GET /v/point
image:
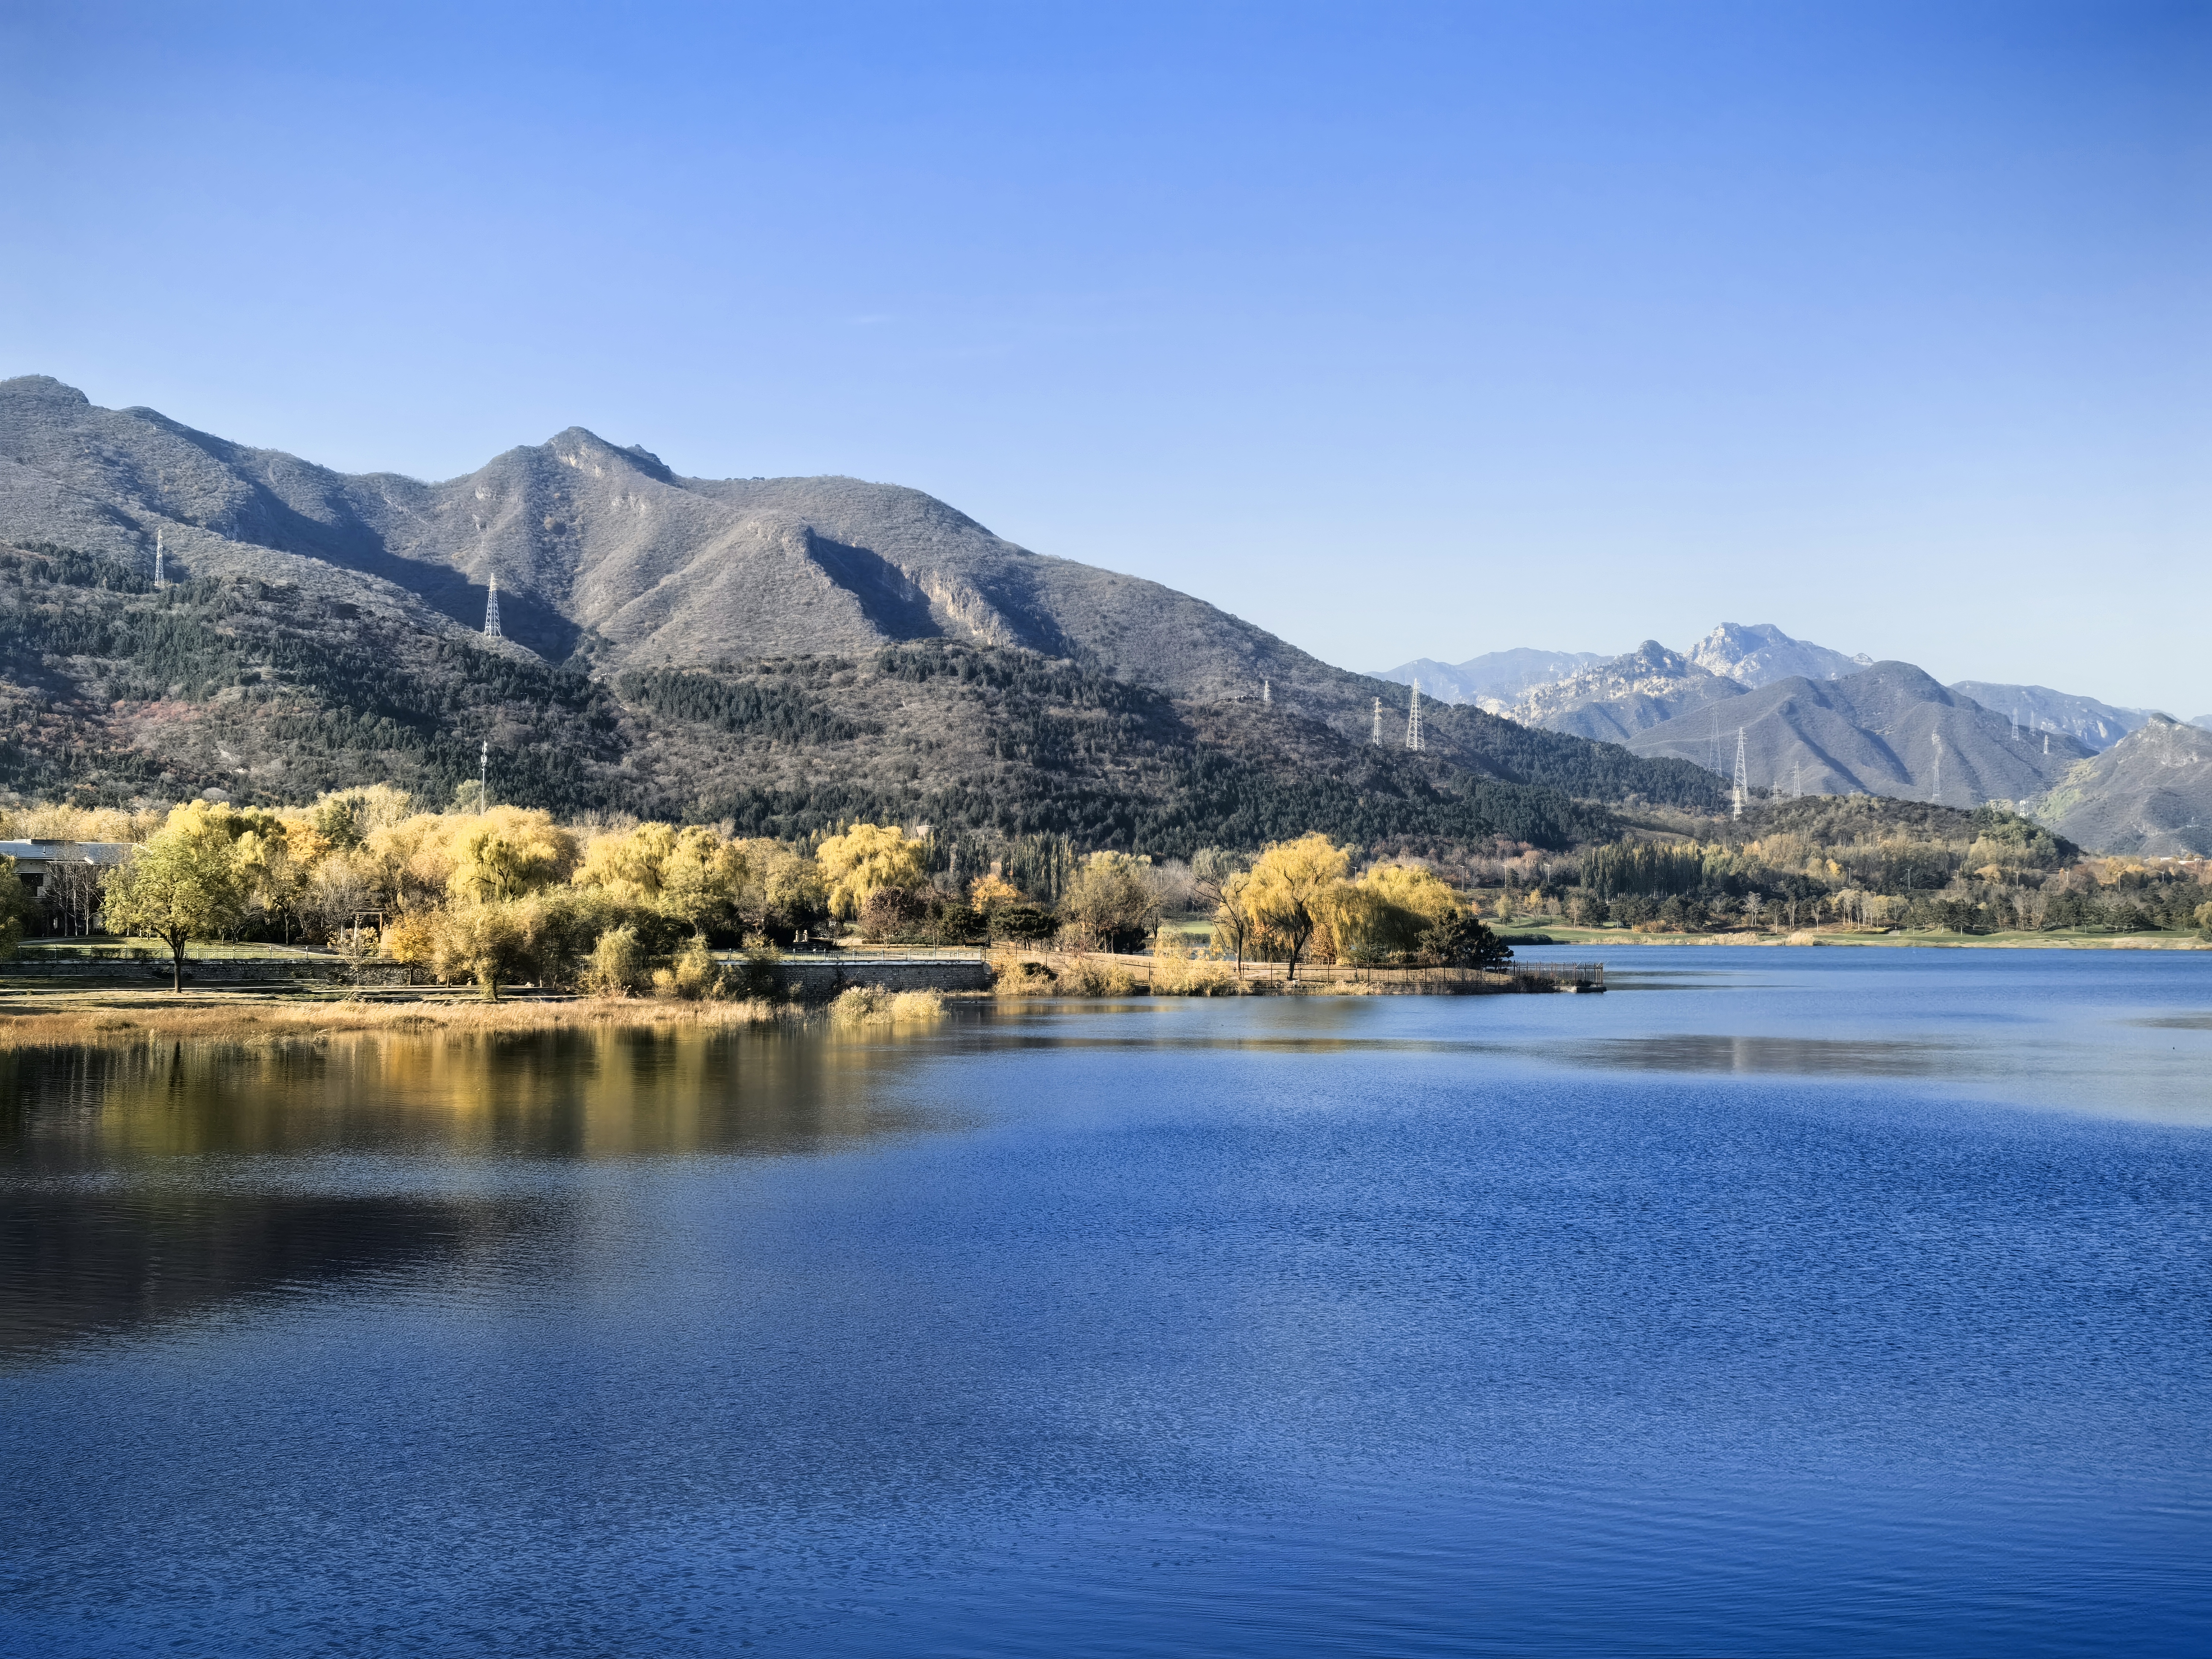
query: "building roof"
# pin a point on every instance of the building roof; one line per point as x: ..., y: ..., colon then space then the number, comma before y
x: 58, y: 852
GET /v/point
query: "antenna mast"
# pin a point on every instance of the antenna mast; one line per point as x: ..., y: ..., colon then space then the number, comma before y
x: 491, y: 611
x: 483, y: 773
x: 1413, y: 719
x: 1742, y: 777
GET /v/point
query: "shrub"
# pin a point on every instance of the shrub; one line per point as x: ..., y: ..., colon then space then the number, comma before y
x: 618, y: 967
x: 872, y: 1005
x: 1178, y: 971
x: 693, y: 977
x: 1085, y: 977
x: 1017, y: 978
x: 1023, y: 924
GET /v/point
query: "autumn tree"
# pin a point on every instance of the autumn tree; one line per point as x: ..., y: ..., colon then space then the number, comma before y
x: 1233, y: 915
x: 1110, y: 902
x: 1293, y: 886
x: 183, y: 885
x: 509, y: 852
x: 868, y: 857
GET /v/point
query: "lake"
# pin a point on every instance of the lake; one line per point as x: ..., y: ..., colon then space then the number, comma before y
x: 1778, y: 1302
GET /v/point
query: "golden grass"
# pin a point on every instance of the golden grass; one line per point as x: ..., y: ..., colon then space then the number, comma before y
x: 110, y: 1018
x: 872, y: 1005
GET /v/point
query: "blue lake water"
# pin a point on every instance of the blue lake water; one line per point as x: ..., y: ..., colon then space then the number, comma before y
x: 1778, y: 1302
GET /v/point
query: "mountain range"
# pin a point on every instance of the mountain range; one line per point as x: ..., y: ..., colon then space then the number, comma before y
x: 1817, y: 721
x: 783, y: 652
x: 1887, y: 730
x: 787, y: 651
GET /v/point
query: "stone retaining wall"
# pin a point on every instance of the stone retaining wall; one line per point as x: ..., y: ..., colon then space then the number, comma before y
x: 815, y: 978
x: 211, y: 970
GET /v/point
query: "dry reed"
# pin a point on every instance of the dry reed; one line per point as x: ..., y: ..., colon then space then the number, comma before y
x: 110, y: 1020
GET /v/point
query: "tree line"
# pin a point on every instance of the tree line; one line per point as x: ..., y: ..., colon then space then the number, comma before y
x: 505, y: 893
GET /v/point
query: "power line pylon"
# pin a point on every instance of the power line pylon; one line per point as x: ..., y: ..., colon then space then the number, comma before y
x: 1266, y: 695
x: 1376, y: 736
x: 1936, y: 738
x: 161, y: 574
x: 1742, y: 776
x: 1413, y: 719
x: 491, y: 611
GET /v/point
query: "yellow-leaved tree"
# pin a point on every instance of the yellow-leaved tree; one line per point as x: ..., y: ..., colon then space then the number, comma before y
x: 1387, y: 913
x: 868, y: 859
x: 509, y: 851
x: 182, y: 884
x: 1293, y: 889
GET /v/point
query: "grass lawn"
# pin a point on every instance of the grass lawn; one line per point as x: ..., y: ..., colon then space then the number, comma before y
x: 105, y: 948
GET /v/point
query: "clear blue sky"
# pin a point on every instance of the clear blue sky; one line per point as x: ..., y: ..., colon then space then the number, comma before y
x: 1401, y: 331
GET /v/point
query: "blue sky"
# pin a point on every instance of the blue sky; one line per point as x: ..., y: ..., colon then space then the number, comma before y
x: 1401, y: 331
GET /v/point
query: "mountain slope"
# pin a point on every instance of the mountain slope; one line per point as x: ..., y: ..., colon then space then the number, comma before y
x: 603, y: 555
x: 1611, y: 702
x: 2038, y: 708
x: 1875, y: 732
x: 2149, y: 794
x: 322, y: 632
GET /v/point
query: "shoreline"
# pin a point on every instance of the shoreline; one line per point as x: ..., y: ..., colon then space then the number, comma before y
x: 1599, y: 938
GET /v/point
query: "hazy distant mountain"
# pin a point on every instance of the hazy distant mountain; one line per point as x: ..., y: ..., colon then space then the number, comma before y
x: 2204, y: 721
x: 354, y: 602
x: 2099, y: 725
x: 2149, y: 794
x: 1760, y: 653
x: 1493, y: 679
x: 1875, y: 732
x: 1617, y: 698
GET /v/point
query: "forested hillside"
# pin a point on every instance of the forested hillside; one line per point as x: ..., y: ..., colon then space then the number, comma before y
x: 268, y: 693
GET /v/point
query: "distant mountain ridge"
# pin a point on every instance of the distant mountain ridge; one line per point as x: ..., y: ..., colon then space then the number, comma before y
x: 1887, y: 730
x: 2150, y: 794
x: 1760, y: 653
x: 2038, y: 708
x: 1612, y: 700
x: 1492, y: 680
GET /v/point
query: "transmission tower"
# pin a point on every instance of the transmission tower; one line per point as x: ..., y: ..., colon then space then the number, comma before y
x: 1376, y: 736
x: 1713, y: 761
x: 161, y: 575
x: 1742, y: 777
x: 1413, y: 719
x: 483, y: 773
x: 491, y: 611
x: 1936, y: 738
x: 1797, y: 782
x: 1266, y: 693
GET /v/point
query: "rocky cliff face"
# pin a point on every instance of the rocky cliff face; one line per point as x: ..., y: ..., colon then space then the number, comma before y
x: 1614, y: 700
x: 1760, y: 653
